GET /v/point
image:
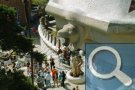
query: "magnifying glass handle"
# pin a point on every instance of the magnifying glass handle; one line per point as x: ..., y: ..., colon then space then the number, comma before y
x: 125, y: 79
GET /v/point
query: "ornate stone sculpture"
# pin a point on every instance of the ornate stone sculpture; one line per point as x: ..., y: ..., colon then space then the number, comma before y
x: 74, y: 35
x: 76, y: 66
x: 69, y: 33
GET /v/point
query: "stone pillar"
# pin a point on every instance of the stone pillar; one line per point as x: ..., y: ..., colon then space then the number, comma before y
x: 55, y: 41
x: 47, y: 35
x: 51, y: 38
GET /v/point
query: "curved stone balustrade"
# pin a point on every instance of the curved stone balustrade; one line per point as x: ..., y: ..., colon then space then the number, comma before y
x: 47, y: 39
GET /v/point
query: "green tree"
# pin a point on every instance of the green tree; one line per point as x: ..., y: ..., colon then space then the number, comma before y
x: 39, y: 57
x: 41, y: 6
x: 10, y: 32
x: 23, y: 44
x: 11, y: 38
x: 15, y: 81
x: 39, y: 2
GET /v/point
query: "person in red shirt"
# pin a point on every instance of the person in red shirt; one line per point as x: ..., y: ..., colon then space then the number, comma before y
x: 56, y: 78
x: 53, y: 74
x: 34, y: 30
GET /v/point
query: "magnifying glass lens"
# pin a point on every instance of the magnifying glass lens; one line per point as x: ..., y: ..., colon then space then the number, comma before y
x: 104, y: 62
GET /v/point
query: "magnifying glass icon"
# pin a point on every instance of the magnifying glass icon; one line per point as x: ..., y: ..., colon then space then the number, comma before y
x: 125, y: 79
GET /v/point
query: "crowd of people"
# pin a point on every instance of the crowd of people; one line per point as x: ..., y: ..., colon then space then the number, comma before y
x: 50, y: 78
x: 47, y: 76
x: 64, y: 55
x: 11, y: 65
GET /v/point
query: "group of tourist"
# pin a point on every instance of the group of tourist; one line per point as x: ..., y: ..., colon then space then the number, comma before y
x: 45, y: 77
x: 10, y: 66
x: 64, y: 55
x: 48, y: 76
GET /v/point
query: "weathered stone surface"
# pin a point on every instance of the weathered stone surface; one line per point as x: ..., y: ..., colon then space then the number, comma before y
x: 102, y: 21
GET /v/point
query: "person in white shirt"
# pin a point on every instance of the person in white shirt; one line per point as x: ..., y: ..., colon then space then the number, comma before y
x: 17, y: 65
x: 45, y: 73
x: 40, y: 82
x: 48, y: 78
x: 41, y: 73
x: 61, y: 58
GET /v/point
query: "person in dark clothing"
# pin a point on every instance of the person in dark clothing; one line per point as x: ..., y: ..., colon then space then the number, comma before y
x: 40, y: 82
x: 52, y: 62
x: 59, y: 51
x: 63, y: 79
x: 65, y: 53
x: 28, y: 64
x: 9, y: 73
x: 68, y: 56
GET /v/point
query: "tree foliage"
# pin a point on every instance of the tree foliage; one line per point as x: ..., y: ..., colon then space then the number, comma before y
x: 15, y: 81
x: 39, y: 57
x: 10, y: 32
x: 41, y: 6
x: 39, y: 2
x: 23, y: 44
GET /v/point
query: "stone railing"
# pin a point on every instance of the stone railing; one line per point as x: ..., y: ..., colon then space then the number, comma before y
x: 50, y: 41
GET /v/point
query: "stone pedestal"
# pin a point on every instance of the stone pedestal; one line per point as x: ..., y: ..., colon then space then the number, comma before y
x: 75, y: 80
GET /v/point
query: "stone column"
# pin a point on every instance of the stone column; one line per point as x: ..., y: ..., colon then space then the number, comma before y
x: 55, y: 41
